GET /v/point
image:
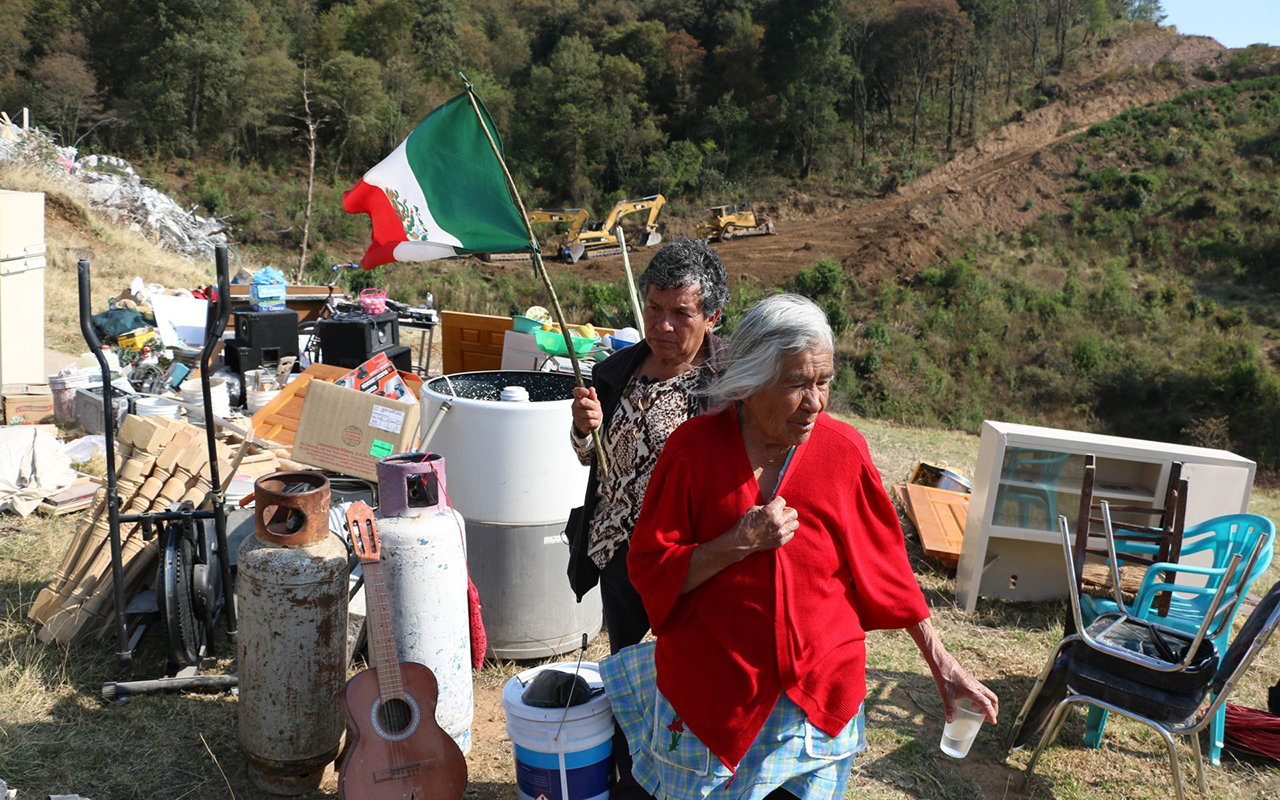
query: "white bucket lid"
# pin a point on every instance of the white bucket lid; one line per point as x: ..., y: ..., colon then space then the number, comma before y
x: 514, y: 706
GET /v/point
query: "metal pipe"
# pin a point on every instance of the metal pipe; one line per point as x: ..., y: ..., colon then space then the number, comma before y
x: 1114, y: 562
x: 124, y: 654
x: 435, y: 423
x: 217, y: 317
x: 123, y: 690
x: 631, y: 282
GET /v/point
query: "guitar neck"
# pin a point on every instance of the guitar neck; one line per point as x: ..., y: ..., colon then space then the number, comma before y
x: 382, y: 639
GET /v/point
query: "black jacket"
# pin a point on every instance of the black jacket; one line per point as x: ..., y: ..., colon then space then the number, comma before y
x: 609, y: 378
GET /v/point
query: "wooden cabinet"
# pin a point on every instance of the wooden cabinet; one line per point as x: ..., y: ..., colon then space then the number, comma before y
x: 1026, y: 476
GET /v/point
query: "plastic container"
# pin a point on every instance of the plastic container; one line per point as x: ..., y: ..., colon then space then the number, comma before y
x: 257, y: 399
x: 552, y: 342
x: 625, y: 337
x: 523, y: 324
x: 266, y: 296
x: 90, y: 362
x: 958, y: 734
x: 570, y: 761
x: 64, y: 392
x: 157, y: 407
x: 193, y: 400
x: 373, y: 301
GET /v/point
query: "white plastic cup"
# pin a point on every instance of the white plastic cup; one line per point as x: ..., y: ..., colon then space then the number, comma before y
x: 958, y: 735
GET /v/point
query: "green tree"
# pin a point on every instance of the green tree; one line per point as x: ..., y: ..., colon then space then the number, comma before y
x: 68, y: 93
x: 926, y: 34
x: 13, y: 43
x: 349, y: 88
x: 809, y: 73
x: 269, y: 90
x: 435, y: 36
x: 175, y: 62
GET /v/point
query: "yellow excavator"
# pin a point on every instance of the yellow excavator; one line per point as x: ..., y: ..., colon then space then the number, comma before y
x: 729, y: 222
x: 575, y: 218
x: 597, y: 238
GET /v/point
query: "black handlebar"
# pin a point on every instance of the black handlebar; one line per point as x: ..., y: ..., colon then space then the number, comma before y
x: 86, y: 308
x: 220, y: 312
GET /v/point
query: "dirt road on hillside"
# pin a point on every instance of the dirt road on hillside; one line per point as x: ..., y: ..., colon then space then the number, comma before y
x: 1001, y: 183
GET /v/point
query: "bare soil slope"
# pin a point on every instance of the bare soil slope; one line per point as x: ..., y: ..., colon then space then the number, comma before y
x: 1001, y: 183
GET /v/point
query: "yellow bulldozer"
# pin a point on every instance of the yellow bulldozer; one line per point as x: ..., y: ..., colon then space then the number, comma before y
x: 723, y: 223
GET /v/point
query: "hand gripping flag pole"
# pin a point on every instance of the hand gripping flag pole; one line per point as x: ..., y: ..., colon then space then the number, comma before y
x: 540, y: 269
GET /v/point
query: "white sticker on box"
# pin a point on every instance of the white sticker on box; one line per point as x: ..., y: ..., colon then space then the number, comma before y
x: 386, y: 419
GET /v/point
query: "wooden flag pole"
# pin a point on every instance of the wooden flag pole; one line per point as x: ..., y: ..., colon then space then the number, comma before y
x: 541, y: 269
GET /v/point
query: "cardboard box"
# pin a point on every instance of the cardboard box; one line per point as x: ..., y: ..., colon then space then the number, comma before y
x: 376, y: 376
x: 346, y: 431
x: 28, y: 404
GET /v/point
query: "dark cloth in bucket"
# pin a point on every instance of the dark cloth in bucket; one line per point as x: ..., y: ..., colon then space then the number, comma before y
x: 554, y: 689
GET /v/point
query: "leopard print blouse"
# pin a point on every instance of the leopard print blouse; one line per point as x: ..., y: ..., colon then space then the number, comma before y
x: 649, y: 411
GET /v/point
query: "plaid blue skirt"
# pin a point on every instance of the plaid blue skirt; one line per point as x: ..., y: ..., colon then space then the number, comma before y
x: 671, y: 764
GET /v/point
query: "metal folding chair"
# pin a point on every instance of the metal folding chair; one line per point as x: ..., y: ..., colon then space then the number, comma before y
x: 1151, y: 673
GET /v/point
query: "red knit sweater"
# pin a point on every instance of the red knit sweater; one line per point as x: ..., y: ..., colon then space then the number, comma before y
x: 792, y: 619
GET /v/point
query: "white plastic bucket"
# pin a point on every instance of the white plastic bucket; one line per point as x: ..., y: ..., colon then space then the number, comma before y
x: 156, y: 407
x: 63, y: 388
x: 573, y: 764
x: 257, y: 399
x: 193, y: 399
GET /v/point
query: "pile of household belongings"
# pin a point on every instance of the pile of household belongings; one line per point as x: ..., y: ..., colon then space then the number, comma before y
x: 159, y: 462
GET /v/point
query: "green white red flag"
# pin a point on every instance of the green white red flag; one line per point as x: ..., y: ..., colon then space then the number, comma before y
x: 441, y: 193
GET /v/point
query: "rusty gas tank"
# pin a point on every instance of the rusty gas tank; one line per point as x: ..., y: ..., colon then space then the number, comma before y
x: 292, y: 599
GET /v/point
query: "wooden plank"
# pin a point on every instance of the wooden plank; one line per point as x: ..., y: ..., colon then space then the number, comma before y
x: 940, y: 517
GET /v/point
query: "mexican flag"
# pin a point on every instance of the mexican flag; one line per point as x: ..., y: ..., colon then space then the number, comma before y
x: 441, y: 193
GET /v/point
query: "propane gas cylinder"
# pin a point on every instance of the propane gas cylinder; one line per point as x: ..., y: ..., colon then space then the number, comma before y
x: 426, y: 576
x: 292, y: 590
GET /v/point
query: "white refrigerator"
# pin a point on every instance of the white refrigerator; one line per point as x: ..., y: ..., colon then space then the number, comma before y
x: 22, y: 263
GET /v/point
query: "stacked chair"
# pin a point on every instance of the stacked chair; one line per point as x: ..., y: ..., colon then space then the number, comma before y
x: 1170, y: 593
x: 1150, y: 670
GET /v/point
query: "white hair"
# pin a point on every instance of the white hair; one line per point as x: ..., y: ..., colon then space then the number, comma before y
x: 776, y: 327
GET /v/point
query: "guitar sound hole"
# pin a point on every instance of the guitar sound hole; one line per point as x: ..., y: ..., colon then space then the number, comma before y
x: 395, y: 715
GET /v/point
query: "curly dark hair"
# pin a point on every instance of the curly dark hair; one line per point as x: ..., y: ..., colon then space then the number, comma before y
x: 686, y: 262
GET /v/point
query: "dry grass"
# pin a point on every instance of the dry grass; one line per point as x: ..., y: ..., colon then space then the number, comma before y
x: 56, y: 736
x: 74, y: 231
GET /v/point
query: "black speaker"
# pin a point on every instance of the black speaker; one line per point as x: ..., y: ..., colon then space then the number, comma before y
x: 401, y: 357
x: 262, y: 337
x: 349, y: 340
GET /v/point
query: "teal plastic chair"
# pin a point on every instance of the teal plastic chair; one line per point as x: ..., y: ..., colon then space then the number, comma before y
x: 1041, y: 470
x: 1250, y: 536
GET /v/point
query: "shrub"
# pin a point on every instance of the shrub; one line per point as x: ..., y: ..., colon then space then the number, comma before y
x: 1206, y: 73
x: 824, y: 279
x: 877, y: 333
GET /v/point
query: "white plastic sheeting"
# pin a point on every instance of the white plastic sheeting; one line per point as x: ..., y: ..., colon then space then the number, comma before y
x: 32, y: 467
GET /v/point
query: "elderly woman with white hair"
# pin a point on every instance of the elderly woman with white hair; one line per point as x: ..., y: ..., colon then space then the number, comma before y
x: 766, y: 548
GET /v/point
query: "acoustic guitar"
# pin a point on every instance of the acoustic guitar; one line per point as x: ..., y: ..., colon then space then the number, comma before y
x: 396, y: 750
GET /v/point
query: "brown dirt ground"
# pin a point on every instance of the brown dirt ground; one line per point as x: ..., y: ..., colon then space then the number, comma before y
x: 984, y: 187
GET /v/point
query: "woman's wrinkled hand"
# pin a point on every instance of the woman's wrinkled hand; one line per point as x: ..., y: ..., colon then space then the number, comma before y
x: 587, y: 414
x: 766, y: 527
x: 955, y: 683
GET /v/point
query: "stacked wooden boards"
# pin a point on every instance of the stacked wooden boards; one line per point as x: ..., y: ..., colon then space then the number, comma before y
x: 158, y: 462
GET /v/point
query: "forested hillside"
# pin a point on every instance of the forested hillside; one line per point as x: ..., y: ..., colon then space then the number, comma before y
x: 598, y: 98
